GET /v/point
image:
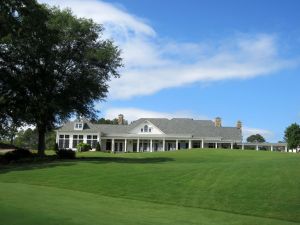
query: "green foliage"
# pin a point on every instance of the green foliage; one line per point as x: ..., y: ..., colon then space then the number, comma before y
x: 66, y: 154
x: 256, y: 138
x: 56, y: 148
x: 98, y: 147
x: 29, y: 139
x: 83, y: 147
x: 37, y: 44
x: 104, y: 121
x: 292, y: 136
x: 8, y: 130
x: 235, y: 146
x: 50, y: 139
x: 17, y: 154
x: 107, y: 121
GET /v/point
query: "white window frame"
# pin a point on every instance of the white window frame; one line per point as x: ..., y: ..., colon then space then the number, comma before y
x: 77, y: 139
x: 63, y: 139
x: 78, y: 126
x: 92, y: 141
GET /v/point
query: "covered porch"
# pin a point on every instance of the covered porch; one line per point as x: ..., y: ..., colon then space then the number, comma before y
x: 144, y: 144
x: 171, y: 144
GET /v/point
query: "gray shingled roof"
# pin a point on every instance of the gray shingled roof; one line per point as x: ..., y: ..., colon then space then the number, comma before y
x: 88, y: 127
x: 176, y: 126
x: 95, y: 128
x: 197, y: 128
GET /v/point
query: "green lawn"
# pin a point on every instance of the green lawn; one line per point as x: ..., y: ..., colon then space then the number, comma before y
x: 183, y: 187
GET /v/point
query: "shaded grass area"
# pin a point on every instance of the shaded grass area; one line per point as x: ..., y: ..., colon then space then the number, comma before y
x: 58, y: 206
x: 260, y: 184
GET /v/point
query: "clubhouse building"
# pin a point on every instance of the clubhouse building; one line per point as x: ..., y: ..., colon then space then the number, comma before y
x: 154, y: 134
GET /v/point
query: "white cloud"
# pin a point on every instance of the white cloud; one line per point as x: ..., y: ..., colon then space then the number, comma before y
x: 152, y: 64
x: 247, y: 131
x: 116, y: 20
x: 132, y: 114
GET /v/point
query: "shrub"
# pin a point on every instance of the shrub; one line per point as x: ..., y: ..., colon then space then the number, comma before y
x: 98, y: 147
x: 235, y: 146
x: 83, y: 147
x: 66, y: 154
x: 17, y: 154
x: 56, y: 148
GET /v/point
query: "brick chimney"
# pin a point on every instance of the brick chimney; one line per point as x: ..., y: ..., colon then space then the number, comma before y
x: 218, y: 122
x: 239, y: 124
x: 121, y: 119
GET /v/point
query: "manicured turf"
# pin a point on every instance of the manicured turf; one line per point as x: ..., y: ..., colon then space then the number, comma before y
x: 183, y: 187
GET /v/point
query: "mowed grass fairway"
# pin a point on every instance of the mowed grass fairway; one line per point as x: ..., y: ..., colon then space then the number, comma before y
x: 184, y: 187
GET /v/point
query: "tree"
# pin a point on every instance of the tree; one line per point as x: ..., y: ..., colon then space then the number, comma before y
x: 256, y: 138
x: 8, y: 130
x: 29, y: 139
x: 292, y: 136
x: 107, y: 121
x: 52, y: 64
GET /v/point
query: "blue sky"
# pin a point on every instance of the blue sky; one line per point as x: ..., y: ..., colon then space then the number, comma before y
x: 235, y: 59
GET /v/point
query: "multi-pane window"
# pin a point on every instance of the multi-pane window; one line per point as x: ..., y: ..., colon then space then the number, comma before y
x: 92, y: 140
x: 63, y: 141
x: 77, y: 139
x: 146, y: 128
x: 78, y: 126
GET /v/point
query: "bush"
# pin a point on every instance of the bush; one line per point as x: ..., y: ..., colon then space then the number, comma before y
x: 98, y: 147
x: 17, y: 155
x: 66, y: 154
x: 56, y: 148
x: 235, y: 146
x: 83, y: 147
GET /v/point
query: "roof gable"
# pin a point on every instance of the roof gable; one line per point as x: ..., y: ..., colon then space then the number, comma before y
x: 139, y: 128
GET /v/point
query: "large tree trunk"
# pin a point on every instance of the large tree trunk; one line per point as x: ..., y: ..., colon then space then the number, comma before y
x: 41, y: 140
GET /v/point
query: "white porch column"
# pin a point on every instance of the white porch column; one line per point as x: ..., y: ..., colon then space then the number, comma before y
x: 257, y: 148
x: 176, y: 144
x: 272, y: 149
x: 84, y: 138
x: 57, y: 137
x: 71, y: 141
x: 164, y: 145
x: 151, y: 145
x: 285, y: 149
x: 216, y: 145
x: 190, y: 143
x: 243, y: 147
x: 112, y: 145
x: 125, y: 145
x: 138, y: 145
x: 231, y: 145
x: 202, y: 143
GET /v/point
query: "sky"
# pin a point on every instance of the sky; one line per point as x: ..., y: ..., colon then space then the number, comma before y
x: 238, y: 60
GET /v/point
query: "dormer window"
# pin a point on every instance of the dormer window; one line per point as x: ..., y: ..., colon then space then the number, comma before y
x: 78, y: 126
x: 146, y: 128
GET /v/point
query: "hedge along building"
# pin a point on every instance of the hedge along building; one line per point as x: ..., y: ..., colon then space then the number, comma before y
x: 150, y: 134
